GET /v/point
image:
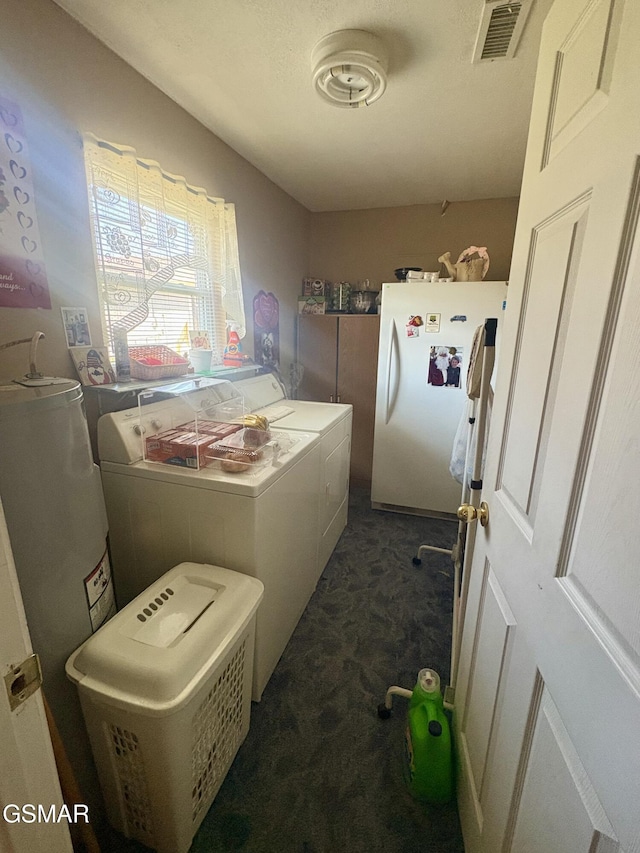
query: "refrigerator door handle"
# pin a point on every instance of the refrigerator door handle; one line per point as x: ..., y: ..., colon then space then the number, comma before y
x: 393, y: 350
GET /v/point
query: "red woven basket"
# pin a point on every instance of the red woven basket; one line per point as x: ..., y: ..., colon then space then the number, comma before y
x: 170, y: 363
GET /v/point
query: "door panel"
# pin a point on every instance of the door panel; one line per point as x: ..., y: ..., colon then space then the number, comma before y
x: 554, y: 258
x: 557, y: 808
x: 495, y: 629
x: 357, y: 366
x: 558, y: 769
x: 27, y: 764
x: 582, y: 73
x: 339, y: 354
x: 318, y: 353
x: 599, y: 530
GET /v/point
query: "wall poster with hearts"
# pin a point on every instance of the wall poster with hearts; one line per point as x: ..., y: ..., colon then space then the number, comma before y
x: 23, y: 279
x: 266, y: 330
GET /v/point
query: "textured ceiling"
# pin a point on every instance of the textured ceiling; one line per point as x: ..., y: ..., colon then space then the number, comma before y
x: 444, y: 129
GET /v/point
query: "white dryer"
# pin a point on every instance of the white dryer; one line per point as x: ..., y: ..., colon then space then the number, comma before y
x: 262, y: 523
x: 332, y: 422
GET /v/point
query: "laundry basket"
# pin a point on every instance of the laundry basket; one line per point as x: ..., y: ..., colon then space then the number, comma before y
x: 165, y: 689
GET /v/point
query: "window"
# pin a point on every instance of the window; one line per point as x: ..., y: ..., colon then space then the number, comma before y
x: 166, y: 253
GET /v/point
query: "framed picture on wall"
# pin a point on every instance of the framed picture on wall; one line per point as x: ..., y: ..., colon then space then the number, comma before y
x: 76, y: 327
x: 266, y: 329
x: 93, y: 365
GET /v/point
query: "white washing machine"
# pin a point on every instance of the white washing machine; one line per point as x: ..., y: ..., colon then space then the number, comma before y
x: 332, y: 421
x: 262, y: 523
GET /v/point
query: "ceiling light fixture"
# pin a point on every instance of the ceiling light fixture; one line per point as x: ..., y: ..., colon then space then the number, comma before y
x: 350, y: 68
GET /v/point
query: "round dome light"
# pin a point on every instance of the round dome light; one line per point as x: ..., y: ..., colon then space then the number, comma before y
x: 349, y: 68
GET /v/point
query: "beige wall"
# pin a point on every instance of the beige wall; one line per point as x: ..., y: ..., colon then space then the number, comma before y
x: 65, y: 83
x: 359, y: 244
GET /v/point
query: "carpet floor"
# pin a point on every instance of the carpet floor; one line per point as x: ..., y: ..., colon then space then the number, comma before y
x: 319, y: 772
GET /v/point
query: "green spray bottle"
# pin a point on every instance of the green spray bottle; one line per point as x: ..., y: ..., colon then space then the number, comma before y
x: 429, y: 752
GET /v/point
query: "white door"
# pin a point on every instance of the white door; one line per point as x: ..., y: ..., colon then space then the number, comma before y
x: 548, y: 697
x: 27, y: 767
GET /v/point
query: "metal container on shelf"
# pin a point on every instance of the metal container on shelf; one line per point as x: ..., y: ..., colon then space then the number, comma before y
x: 363, y: 301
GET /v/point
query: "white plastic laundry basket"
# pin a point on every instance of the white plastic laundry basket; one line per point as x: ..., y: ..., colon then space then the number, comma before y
x: 165, y: 688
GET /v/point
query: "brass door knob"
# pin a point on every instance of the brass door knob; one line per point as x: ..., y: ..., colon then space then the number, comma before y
x: 468, y: 513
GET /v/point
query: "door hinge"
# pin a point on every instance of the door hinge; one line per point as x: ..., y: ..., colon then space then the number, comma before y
x: 22, y: 680
x: 449, y: 697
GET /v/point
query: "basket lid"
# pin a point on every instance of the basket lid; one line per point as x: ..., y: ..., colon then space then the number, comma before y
x: 212, y: 399
x: 158, y: 649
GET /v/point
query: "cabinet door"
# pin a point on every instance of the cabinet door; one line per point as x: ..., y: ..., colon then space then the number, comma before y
x: 357, y: 369
x: 317, y: 353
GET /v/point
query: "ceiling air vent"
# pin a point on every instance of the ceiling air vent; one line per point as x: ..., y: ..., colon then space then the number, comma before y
x: 501, y: 26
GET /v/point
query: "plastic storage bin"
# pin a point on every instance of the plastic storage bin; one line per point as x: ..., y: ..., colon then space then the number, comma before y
x: 156, y: 362
x: 165, y: 689
x: 179, y: 421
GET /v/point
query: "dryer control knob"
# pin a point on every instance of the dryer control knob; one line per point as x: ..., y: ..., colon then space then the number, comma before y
x: 139, y: 429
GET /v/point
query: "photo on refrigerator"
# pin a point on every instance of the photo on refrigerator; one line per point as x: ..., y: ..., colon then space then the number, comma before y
x: 445, y: 366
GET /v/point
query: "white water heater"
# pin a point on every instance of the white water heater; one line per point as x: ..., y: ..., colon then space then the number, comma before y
x: 52, y: 497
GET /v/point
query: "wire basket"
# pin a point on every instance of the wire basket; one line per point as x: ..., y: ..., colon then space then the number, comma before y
x: 164, y: 363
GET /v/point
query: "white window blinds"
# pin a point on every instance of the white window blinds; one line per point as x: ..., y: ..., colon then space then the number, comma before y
x: 166, y: 253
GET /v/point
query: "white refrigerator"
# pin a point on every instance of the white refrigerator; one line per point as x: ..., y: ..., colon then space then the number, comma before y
x: 426, y: 332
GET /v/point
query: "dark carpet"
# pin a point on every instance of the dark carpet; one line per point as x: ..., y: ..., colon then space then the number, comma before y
x: 319, y: 772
